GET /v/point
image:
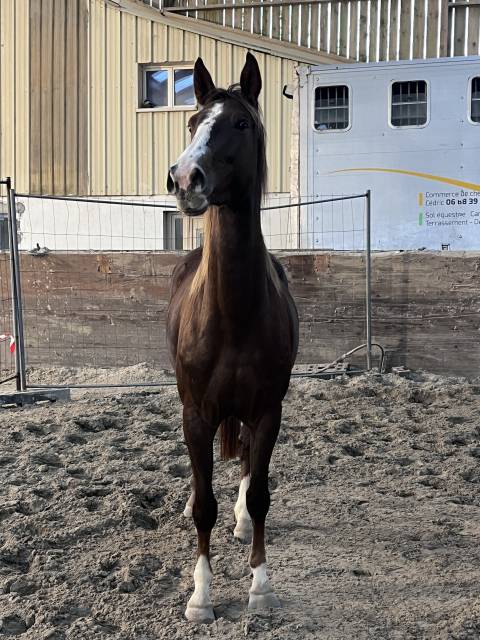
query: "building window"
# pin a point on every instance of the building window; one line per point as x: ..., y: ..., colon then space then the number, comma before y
x: 172, y: 230
x: 475, y: 105
x: 167, y: 88
x: 409, y: 104
x: 331, y: 108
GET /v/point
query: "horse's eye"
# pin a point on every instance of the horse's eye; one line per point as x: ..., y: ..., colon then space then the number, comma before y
x: 242, y: 124
x: 189, y: 127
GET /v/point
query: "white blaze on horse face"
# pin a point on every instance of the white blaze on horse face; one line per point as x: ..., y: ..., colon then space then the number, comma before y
x: 243, y: 530
x: 192, y: 155
x: 199, y: 607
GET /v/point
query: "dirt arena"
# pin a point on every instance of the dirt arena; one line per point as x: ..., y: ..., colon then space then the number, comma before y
x: 373, y: 530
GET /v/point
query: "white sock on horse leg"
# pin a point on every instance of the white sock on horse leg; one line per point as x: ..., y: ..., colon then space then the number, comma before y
x: 243, y: 529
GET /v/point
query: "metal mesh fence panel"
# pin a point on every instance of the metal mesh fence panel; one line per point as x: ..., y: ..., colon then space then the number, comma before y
x: 96, y: 277
x: 7, y: 330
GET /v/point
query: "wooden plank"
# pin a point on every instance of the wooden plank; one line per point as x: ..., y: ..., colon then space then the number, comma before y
x: 113, y: 103
x: 474, y: 31
x: 83, y: 61
x: 22, y: 97
x: 334, y: 17
x: 374, y: 35
x: 46, y: 72
x: 314, y: 21
x: 433, y: 26
x: 97, y: 92
x: 405, y: 31
x: 59, y: 89
x: 444, y: 28
x: 363, y: 33
x: 394, y: 26
x: 276, y: 22
x: 384, y: 26
x: 418, y: 29
x: 459, y: 33
x: 324, y: 26
x: 130, y: 101
x: 305, y: 32
x: 353, y: 43
x: 294, y: 24
x: 35, y: 100
x: 286, y: 24
x: 72, y: 99
x: 344, y: 31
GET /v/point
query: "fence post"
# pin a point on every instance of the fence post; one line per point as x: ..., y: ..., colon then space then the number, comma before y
x: 368, y: 278
x: 16, y: 290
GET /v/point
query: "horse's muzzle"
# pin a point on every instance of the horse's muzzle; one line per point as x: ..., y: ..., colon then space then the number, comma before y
x: 189, y: 186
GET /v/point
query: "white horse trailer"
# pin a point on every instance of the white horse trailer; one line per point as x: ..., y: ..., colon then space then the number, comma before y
x: 410, y: 132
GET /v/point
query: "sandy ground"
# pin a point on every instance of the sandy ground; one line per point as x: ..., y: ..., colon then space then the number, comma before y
x: 373, y: 529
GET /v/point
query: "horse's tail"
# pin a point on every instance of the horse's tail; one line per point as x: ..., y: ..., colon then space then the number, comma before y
x: 230, y: 444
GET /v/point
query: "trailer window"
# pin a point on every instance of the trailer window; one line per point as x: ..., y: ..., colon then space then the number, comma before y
x: 331, y: 108
x: 475, y: 107
x: 409, y: 104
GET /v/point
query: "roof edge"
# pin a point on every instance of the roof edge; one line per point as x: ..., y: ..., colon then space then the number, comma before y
x: 231, y: 36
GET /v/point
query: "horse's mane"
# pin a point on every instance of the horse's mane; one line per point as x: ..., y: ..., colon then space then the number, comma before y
x: 234, y: 92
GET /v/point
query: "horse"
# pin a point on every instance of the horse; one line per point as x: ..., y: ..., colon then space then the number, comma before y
x: 232, y: 325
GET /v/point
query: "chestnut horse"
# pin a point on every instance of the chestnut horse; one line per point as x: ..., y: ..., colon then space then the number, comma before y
x: 232, y: 325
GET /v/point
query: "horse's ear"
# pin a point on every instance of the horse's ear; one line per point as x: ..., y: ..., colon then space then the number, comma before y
x: 202, y: 81
x: 251, y: 80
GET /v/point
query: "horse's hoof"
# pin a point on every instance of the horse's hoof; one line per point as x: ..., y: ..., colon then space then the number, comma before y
x: 263, y: 601
x: 188, y: 511
x: 243, y: 531
x: 199, y: 615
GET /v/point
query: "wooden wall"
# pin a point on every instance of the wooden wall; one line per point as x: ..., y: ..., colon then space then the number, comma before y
x: 109, y: 309
x: 364, y: 30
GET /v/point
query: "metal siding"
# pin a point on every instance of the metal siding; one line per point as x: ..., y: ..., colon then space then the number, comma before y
x: 22, y: 96
x: 160, y: 42
x: 58, y: 88
x: 129, y: 97
x: 97, y: 96
x: 160, y: 145
x: 7, y: 97
x: 175, y: 45
x: 114, y: 102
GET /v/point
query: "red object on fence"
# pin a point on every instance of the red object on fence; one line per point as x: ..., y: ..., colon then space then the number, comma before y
x: 7, y: 336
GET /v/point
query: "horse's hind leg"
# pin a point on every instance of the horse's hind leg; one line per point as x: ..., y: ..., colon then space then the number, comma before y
x: 258, y: 501
x: 199, y: 438
x: 243, y: 528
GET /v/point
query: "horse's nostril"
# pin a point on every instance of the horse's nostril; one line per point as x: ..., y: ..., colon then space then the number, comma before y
x: 198, y: 179
x: 170, y: 184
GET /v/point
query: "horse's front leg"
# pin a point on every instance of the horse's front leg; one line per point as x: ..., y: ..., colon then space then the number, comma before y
x: 199, y: 437
x: 263, y: 438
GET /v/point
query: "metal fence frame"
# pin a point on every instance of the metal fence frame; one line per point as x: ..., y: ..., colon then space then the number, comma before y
x: 18, y: 322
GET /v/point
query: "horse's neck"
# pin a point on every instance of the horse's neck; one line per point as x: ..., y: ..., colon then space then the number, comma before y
x: 233, y: 268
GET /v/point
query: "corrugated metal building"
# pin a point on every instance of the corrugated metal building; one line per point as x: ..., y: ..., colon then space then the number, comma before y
x: 71, y: 111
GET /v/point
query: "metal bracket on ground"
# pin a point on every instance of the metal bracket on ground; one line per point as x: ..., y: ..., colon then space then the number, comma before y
x: 21, y: 398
